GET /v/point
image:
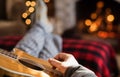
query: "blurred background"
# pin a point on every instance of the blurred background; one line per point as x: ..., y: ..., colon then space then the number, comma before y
x: 88, y: 19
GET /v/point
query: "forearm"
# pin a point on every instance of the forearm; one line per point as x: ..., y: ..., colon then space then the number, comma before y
x: 79, y: 71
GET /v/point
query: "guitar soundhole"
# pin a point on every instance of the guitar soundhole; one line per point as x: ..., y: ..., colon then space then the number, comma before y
x: 31, y: 64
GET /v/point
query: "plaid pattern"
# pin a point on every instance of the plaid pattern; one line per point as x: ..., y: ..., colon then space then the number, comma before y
x: 8, y: 42
x: 96, y: 56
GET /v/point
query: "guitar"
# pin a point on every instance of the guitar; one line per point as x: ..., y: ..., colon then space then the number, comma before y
x: 20, y: 64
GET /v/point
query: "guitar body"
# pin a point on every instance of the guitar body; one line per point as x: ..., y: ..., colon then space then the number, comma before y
x: 21, y: 64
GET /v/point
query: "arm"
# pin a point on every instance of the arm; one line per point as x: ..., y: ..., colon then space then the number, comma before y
x: 79, y: 71
x: 68, y: 65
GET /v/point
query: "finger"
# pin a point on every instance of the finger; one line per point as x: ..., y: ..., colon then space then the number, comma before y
x: 55, y: 63
x: 61, y: 56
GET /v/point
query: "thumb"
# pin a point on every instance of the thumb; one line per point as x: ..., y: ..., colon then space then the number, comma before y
x: 55, y: 62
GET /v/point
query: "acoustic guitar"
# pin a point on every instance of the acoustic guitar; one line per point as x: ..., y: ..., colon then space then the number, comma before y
x: 20, y: 64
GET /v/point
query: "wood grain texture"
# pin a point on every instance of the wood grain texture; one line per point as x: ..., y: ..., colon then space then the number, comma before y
x: 14, y: 68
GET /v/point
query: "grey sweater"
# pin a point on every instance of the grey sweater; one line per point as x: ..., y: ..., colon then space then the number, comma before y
x: 79, y: 71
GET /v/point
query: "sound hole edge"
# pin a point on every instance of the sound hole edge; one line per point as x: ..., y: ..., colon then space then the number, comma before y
x: 31, y: 64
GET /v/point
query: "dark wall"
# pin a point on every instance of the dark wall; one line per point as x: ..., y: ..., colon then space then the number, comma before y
x: 2, y: 9
x: 86, y: 7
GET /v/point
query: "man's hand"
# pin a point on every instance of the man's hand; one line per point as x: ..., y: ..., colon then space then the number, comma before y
x: 62, y: 61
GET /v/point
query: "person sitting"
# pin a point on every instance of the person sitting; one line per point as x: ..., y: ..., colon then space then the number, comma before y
x: 40, y: 42
x: 97, y: 56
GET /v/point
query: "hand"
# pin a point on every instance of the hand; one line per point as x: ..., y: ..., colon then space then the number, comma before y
x: 62, y: 61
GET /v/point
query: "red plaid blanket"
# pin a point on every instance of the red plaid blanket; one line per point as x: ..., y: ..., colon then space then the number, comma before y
x: 97, y: 56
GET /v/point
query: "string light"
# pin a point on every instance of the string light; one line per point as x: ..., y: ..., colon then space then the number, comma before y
x: 31, y: 8
x: 24, y: 15
x: 93, y: 27
x: 93, y: 16
x: 110, y: 18
x: 100, y: 4
x: 28, y: 21
x: 28, y: 3
x: 88, y: 22
x: 33, y: 3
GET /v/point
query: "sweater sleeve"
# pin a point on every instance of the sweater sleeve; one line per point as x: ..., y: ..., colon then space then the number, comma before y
x: 79, y: 71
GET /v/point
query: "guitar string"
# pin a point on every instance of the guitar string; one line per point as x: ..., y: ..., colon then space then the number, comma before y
x: 47, y: 69
x: 53, y: 71
x: 9, y: 54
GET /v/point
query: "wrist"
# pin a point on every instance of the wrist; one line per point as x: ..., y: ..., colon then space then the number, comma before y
x: 70, y: 70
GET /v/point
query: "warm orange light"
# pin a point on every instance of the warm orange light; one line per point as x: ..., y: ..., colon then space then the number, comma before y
x: 110, y: 18
x: 93, y: 27
x: 109, y: 27
x: 31, y: 9
x: 111, y: 34
x: 93, y: 16
x: 28, y: 21
x: 100, y: 4
x: 24, y: 15
x: 46, y: 1
x: 28, y: 3
x: 102, y: 34
x: 33, y: 3
x: 88, y: 22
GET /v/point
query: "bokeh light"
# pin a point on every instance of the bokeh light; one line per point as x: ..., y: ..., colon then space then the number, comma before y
x: 100, y: 4
x: 110, y: 18
x: 93, y: 27
x: 28, y: 21
x: 88, y: 22
x: 33, y: 3
x: 93, y: 16
x: 31, y: 9
x: 24, y: 15
x: 28, y: 3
